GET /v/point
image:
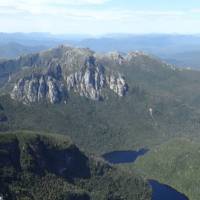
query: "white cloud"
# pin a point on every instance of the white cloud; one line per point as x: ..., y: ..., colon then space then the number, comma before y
x: 72, y: 8
x: 44, y: 6
x: 16, y: 3
x: 71, y: 15
x: 108, y: 14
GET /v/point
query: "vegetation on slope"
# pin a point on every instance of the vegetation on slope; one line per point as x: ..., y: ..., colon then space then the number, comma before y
x: 175, y: 163
x: 121, y: 123
x: 113, y: 124
x: 41, y: 166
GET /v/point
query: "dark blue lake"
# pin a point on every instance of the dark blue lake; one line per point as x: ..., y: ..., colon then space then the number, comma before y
x: 117, y: 157
x: 165, y: 192
x: 160, y: 191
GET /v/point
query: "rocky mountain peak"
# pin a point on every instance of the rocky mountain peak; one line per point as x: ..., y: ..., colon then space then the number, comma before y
x: 117, y: 57
x: 75, y: 70
x: 135, y: 54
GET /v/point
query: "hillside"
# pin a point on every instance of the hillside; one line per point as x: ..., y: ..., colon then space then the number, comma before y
x: 41, y: 166
x: 13, y: 50
x: 175, y: 163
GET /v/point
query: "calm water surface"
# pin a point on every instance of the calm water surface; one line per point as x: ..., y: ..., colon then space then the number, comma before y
x: 117, y: 157
x: 160, y: 191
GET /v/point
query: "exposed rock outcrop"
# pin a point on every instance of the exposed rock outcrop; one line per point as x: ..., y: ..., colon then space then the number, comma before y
x: 55, y: 82
x: 117, y: 57
x: 38, y: 89
x: 117, y: 84
x: 89, y: 81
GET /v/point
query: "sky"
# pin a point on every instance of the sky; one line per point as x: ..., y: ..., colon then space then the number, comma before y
x: 96, y: 17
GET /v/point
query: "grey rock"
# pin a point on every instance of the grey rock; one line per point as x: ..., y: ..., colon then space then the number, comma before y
x: 38, y: 89
x: 18, y: 90
x: 117, y: 84
x: 89, y: 81
x: 117, y: 57
x: 86, y: 77
x: 32, y: 90
x: 53, y: 93
x: 42, y: 90
x: 55, y: 70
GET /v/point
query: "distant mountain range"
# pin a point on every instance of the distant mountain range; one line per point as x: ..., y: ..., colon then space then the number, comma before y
x: 33, y: 39
x: 188, y: 59
x: 12, y: 50
x: 15, y: 44
x: 181, y: 50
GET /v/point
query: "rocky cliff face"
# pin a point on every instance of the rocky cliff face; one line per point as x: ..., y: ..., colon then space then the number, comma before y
x: 56, y: 82
x: 39, y: 88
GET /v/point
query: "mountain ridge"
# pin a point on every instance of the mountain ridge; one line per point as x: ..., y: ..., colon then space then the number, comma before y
x: 60, y: 76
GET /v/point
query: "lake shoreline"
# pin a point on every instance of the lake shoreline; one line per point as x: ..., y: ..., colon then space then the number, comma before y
x: 159, y: 190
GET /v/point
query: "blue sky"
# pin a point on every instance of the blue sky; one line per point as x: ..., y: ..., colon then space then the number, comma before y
x: 100, y: 16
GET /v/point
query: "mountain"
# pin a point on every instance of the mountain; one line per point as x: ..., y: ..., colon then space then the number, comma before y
x: 39, y: 38
x: 55, y: 73
x: 102, y: 101
x: 106, y: 102
x: 41, y: 166
x: 12, y: 50
x: 13, y: 45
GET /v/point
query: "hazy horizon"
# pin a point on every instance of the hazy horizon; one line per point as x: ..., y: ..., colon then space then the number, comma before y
x: 111, y: 34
